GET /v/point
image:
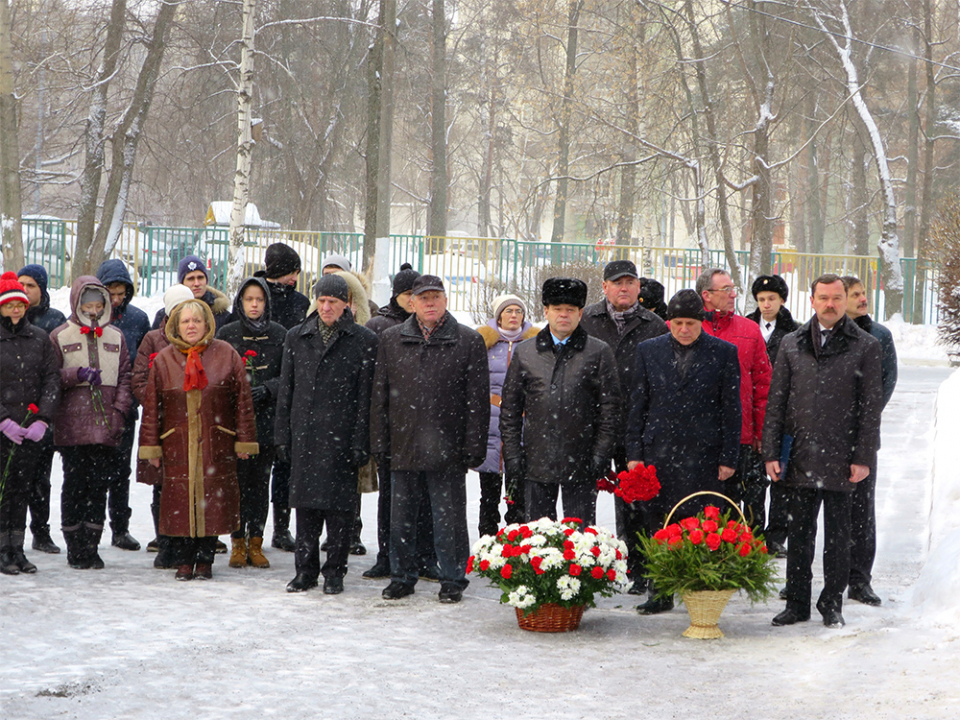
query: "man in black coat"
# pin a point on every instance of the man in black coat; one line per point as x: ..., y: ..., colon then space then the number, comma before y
x: 323, y: 426
x: 288, y: 307
x: 823, y: 420
x: 623, y: 322
x: 863, y: 517
x: 686, y: 389
x: 134, y: 324
x: 429, y: 419
x: 40, y: 314
x: 560, y: 409
x: 776, y: 322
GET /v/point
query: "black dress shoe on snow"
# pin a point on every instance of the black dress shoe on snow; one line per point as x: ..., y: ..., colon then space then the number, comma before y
x: 42, y: 542
x: 154, y: 545
x: 833, y: 619
x: 125, y: 541
x: 430, y: 574
x: 638, y: 587
x: 655, y: 605
x: 8, y: 563
x: 783, y: 593
x: 396, y: 590
x: 778, y: 550
x: 864, y: 594
x: 790, y: 616
x: 378, y: 572
x: 301, y: 583
x: 25, y: 565
x: 450, y: 593
x: 357, y: 548
x: 283, y: 540
x: 332, y: 586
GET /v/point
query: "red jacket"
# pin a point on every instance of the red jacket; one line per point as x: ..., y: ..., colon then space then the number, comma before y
x: 755, y: 370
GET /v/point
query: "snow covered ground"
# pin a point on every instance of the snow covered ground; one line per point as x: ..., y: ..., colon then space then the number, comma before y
x: 130, y: 642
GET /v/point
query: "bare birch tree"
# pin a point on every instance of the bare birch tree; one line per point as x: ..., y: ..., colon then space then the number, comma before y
x: 9, y: 150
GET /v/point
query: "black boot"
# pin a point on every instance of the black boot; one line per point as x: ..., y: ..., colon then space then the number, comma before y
x: 76, y: 550
x: 16, y: 541
x: 282, y: 540
x: 42, y: 542
x: 92, y: 535
x: 8, y: 563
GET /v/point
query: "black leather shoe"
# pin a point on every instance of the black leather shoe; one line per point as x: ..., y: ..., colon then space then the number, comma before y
x: 21, y: 560
x: 396, y: 590
x: 639, y: 587
x: 430, y: 574
x: 42, y: 542
x: 332, y: 586
x: 655, y: 605
x: 378, y: 572
x: 833, y: 619
x: 303, y: 582
x: 125, y: 541
x: 790, y: 616
x: 154, y: 545
x: 8, y: 563
x: 283, y: 540
x: 783, y: 593
x: 864, y: 594
x: 450, y: 593
x: 357, y: 548
x: 778, y: 550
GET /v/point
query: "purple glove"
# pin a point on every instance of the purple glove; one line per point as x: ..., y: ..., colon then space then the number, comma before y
x: 12, y: 430
x: 89, y: 375
x: 35, y: 432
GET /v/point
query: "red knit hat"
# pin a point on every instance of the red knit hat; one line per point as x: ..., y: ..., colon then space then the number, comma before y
x: 11, y: 289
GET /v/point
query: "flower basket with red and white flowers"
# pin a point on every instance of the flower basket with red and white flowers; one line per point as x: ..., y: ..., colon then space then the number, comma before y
x: 548, y: 563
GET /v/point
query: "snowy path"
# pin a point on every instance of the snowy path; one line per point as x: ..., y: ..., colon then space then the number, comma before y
x: 129, y: 642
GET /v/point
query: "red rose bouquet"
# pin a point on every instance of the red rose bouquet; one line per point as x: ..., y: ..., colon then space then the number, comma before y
x: 709, y: 551
x: 640, y: 484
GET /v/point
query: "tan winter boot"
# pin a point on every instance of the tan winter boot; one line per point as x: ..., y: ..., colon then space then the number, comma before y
x: 257, y: 558
x: 238, y: 554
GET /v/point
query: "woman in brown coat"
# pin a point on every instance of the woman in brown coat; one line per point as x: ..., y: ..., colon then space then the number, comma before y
x: 197, y: 420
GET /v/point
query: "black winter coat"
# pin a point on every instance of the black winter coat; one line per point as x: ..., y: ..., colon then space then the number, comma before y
x: 431, y: 404
x: 888, y: 362
x: 288, y: 306
x: 43, y: 316
x: 785, y: 325
x: 131, y: 321
x: 686, y: 427
x: 388, y: 316
x: 29, y: 373
x: 560, y: 410
x: 266, y: 340
x: 829, y: 400
x: 323, y: 412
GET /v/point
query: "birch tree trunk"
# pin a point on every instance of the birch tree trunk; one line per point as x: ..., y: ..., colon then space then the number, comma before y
x: 566, y: 110
x: 241, y: 179
x: 13, y: 257
x: 437, y: 219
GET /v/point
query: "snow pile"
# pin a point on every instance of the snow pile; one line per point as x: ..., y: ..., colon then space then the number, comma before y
x: 917, y: 344
x: 937, y: 591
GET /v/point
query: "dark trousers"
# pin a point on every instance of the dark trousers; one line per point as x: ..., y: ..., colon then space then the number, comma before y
x: 748, y: 487
x: 779, y: 519
x: 310, y: 523
x: 631, y: 522
x: 253, y: 477
x: 357, y: 521
x: 84, y: 495
x: 863, y: 530
x: 804, y: 506
x: 426, y: 554
x: 579, y: 500
x: 16, y: 488
x: 119, y: 469
x: 490, y: 488
x: 280, y: 495
x: 448, y: 510
x: 38, y: 499
x: 192, y: 550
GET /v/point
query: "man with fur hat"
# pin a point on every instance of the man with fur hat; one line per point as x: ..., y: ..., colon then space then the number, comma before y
x: 561, y: 407
x: 134, y: 324
x: 41, y: 315
x: 686, y: 387
x: 502, y: 333
x: 429, y: 417
x: 192, y: 272
x: 622, y: 321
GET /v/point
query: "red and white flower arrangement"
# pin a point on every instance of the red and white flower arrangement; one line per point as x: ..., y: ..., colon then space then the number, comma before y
x: 566, y: 563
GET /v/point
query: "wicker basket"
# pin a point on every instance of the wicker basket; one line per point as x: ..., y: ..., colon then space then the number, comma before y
x: 550, y: 618
x: 705, y: 608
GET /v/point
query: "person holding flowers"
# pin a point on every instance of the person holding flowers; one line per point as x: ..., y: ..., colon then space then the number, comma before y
x: 29, y: 394
x: 96, y: 399
x: 259, y: 342
x: 197, y: 421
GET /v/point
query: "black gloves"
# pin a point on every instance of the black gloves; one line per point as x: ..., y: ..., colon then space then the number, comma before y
x: 259, y: 393
x: 599, y: 467
x: 514, y: 469
x: 472, y: 461
x: 359, y: 457
x: 283, y: 453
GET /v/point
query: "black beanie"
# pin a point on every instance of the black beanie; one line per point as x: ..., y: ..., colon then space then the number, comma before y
x: 770, y: 283
x: 685, y: 304
x: 564, y: 291
x: 403, y: 280
x: 332, y: 285
x: 281, y: 260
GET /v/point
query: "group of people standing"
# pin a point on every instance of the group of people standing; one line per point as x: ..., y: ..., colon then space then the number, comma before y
x: 329, y: 402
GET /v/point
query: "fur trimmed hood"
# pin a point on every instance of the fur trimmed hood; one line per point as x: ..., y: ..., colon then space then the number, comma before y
x: 491, y: 336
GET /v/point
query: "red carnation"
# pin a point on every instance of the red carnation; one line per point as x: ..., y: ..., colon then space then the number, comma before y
x: 536, y: 562
x: 484, y: 565
x: 696, y: 536
x: 591, y: 530
x: 525, y: 549
x: 619, y: 555
x: 569, y: 555
x: 713, y: 541
x: 604, y: 485
x: 31, y: 408
x: 506, y: 571
x: 525, y: 532
x: 512, y: 535
x: 575, y: 569
x: 729, y: 535
x: 507, y: 551
x: 250, y: 353
x: 659, y: 535
x: 611, y: 574
x: 673, y: 530
x: 84, y: 330
x: 578, y: 521
x: 690, y: 523
x: 676, y: 542
x: 470, y: 564
x: 568, y: 545
x: 569, y: 531
x: 744, y: 550
x: 595, y: 551
x: 763, y: 549
x: 711, y: 512
x: 641, y: 484
x: 746, y: 536
x: 597, y: 572
x: 709, y: 526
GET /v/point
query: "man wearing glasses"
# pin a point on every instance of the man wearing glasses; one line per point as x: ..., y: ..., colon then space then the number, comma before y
x: 749, y: 485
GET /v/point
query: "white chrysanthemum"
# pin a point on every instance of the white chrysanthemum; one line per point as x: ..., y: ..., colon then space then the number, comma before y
x: 521, y: 597
x: 536, y: 541
x: 568, y: 587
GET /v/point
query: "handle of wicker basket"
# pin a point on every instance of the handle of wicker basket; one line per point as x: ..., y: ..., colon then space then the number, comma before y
x: 705, y: 492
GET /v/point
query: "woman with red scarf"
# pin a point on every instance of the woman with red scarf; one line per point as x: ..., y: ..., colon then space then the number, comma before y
x: 197, y: 420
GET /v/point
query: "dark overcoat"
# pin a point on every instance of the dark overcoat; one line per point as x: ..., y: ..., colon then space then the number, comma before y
x: 829, y: 400
x: 560, y: 410
x: 785, y: 325
x: 29, y: 374
x: 888, y: 359
x: 288, y: 306
x: 686, y: 427
x: 431, y: 405
x: 323, y: 411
